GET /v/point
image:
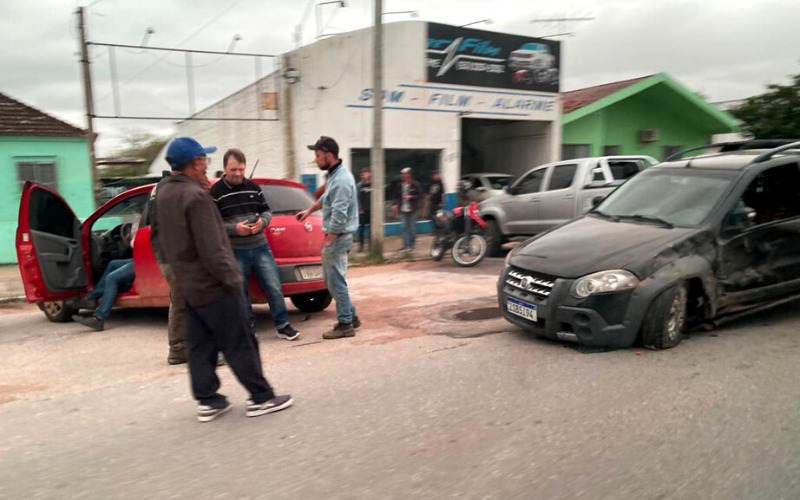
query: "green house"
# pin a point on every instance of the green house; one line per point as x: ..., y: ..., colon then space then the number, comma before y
x: 652, y: 115
x: 38, y: 147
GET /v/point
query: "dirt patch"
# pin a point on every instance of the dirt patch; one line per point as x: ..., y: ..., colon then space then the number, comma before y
x: 10, y: 393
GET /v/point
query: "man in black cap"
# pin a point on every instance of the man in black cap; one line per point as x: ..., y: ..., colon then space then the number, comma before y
x: 196, y: 246
x: 339, y: 220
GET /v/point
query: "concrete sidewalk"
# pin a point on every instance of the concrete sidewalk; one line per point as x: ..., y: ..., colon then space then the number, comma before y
x: 11, y: 288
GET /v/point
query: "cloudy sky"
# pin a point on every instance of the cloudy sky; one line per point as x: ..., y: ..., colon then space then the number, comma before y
x: 724, y: 49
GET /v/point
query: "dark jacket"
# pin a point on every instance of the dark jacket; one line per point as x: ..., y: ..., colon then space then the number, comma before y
x: 436, y: 192
x: 150, y: 217
x: 242, y: 202
x: 416, y: 192
x: 364, y: 190
x: 194, y: 242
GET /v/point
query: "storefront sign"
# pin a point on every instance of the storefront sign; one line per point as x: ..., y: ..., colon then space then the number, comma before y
x: 465, y: 56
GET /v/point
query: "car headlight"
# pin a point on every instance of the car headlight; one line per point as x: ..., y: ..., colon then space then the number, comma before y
x: 603, y: 282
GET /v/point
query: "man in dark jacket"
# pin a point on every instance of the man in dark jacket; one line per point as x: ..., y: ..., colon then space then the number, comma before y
x: 407, y: 198
x: 246, y: 213
x: 194, y: 243
x: 364, y: 190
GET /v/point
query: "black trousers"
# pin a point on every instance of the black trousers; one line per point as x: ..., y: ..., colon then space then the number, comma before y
x: 222, y: 326
x: 363, y: 229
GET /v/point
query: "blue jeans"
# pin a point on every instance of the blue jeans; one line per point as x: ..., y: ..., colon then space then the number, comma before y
x: 260, y: 261
x: 408, y: 223
x: 334, y: 267
x: 117, y: 277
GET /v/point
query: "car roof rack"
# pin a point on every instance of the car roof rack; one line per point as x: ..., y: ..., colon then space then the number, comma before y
x: 769, y: 154
x: 727, y: 147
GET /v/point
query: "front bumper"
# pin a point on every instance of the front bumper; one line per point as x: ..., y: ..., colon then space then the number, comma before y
x: 607, y: 320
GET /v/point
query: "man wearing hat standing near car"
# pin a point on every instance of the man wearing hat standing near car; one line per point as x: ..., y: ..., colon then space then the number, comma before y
x: 339, y: 220
x: 195, y: 244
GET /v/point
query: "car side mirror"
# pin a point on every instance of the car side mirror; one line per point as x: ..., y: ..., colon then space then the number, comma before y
x: 596, y: 201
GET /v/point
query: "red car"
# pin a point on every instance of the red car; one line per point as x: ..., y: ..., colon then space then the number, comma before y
x: 60, y: 258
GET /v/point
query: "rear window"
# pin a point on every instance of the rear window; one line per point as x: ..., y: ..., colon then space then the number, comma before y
x: 499, y: 182
x: 624, y: 169
x: 286, y: 199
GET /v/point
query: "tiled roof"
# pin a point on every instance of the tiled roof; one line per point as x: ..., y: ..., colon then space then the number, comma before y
x: 576, y: 99
x: 18, y: 119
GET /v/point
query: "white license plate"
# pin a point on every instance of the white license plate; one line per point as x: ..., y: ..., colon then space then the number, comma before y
x: 520, y: 308
x: 311, y: 272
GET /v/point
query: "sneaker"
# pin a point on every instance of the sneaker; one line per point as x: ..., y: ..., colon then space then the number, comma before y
x: 277, y: 403
x: 92, y: 322
x: 288, y: 333
x: 176, y: 357
x: 207, y: 413
x: 82, y: 303
x: 356, y: 322
x: 340, y: 330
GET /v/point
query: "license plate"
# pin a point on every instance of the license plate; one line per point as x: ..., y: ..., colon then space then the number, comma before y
x: 520, y: 308
x: 311, y: 272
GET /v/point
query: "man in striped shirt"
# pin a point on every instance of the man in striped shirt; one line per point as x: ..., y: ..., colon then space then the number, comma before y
x: 246, y: 213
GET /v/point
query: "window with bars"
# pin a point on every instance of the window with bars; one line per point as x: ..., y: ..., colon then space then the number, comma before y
x: 40, y: 172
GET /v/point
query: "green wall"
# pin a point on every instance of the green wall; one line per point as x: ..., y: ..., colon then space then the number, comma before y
x: 73, y: 177
x: 679, y: 122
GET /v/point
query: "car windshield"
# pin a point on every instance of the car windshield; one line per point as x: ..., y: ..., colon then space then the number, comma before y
x: 286, y: 199
x: 499, y: 181
x: 679, y: 197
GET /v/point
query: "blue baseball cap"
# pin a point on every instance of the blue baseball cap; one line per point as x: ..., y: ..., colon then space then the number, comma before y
x: 185, y: 149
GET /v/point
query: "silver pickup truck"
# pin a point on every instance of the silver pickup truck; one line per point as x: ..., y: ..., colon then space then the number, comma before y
x: 551, y: 194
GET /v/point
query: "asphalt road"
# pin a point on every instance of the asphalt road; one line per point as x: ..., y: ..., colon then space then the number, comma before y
x: 418, y: 405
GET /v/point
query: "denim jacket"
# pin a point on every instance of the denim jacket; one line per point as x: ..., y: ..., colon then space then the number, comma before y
x: 339, y: 202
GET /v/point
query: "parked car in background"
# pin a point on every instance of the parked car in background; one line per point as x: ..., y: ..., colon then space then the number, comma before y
x: 690, y: 241
x: 60, y: 258
x: 552, y: 194
x: 485, y: 185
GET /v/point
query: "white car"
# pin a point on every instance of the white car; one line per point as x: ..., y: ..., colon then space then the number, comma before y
x: 485, y: 185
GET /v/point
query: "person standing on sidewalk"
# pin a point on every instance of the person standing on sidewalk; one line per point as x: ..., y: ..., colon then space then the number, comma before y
x: 196, y: 246
x: 435, y: 194
x: 339, y: 220
x: 364, y: 188
x: 406, y: 202
x: 246, y: 213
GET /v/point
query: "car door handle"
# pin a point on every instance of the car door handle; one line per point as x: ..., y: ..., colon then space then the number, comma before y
x: 569, y: 196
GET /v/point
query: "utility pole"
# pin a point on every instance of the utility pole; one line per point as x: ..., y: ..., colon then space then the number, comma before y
x: 377, y: 167
x: 87, y: 93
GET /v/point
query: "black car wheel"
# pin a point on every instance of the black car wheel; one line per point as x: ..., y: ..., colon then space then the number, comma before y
x: 494, y: 240
x: 312, y: 301
x: 57, y: 312
x: 665, y: 320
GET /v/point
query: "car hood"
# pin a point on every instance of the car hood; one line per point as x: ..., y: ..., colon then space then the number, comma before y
x: 590, y: 244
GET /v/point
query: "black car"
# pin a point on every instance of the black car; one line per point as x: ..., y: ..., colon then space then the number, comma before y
x: 691, y: 240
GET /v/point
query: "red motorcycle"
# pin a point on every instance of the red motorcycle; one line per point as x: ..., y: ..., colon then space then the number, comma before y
x: 462, y: 232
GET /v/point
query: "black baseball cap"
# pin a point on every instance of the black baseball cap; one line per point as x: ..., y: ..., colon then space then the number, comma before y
x: 326, y: 144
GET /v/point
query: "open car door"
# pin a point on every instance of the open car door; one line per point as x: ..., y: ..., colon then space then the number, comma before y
x: 49, y: 253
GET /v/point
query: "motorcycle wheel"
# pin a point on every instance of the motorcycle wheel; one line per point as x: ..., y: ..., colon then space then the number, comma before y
x: 469, y: 250
x: 437, y: 249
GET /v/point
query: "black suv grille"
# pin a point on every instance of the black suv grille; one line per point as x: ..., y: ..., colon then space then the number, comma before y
x: 537, y: 284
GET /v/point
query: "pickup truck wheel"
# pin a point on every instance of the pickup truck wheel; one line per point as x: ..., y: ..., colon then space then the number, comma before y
x: 312, y: 301
x: 665, y: 319
x: 494, y: 240
x: 57, y: 312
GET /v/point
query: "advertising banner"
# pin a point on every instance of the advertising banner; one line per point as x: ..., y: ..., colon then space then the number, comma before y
x: 479, y: 58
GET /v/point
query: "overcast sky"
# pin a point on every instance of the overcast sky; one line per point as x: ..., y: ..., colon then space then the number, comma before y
x: 724, y: 49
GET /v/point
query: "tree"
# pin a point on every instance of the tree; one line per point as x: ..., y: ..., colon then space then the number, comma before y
x: 774, y: 114
x: 133, y: 159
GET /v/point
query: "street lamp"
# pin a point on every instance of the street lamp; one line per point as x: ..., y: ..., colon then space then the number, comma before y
x: 487, y: 21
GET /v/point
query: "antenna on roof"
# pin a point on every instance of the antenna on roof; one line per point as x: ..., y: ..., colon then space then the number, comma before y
x: 254, y: 169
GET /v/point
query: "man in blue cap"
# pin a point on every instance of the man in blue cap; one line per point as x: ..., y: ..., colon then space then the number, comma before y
x: 195, y: 244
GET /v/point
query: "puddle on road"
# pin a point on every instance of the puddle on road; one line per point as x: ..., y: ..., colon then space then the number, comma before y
x: 478, y: 314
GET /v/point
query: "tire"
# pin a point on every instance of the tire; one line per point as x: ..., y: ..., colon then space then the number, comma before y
x: 57, y: 312
x: 437, y: 249
x: 494, y: 240
x: 665, y: 319
x: 312, y: 301
x: 469, y: 250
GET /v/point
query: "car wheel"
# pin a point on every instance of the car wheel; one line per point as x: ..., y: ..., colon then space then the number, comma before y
x: 665, y: 319
x: 312, y: 301
x: 494, y: 240
x: 57, y: 312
